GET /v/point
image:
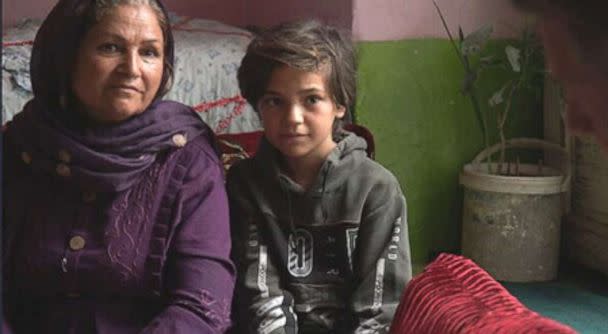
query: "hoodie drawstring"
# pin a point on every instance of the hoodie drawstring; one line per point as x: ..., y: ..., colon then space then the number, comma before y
x: 323, y: 209
x: 292, y: 225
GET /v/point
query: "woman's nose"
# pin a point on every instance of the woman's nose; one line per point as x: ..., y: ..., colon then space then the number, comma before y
x: 131, y: 65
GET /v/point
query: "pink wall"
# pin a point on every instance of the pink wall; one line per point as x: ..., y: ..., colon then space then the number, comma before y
x: 268, y: 12
x: 369, y: 19
x: 236, y: 12
x: 401, y: 19
x: 14, y: 10
x: 229, y: 11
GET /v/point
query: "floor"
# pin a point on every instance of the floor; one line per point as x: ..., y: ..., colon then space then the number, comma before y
x: 578, y: 298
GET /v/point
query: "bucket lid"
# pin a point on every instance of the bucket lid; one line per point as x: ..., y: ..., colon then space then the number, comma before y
x: 551, y: 181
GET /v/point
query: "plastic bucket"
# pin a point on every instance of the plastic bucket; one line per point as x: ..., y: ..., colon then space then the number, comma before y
x: 511, y: 224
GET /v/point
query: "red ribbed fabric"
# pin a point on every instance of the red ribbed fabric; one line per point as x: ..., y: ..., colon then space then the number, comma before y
x: 454, y: 295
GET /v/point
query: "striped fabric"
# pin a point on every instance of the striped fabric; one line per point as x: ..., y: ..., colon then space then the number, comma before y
x: 454, y: 295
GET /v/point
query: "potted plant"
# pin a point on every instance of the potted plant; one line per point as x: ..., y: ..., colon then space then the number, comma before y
x: 512, y: 210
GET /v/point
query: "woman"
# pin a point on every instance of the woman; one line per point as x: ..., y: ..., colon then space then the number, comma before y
x: 115, y: 213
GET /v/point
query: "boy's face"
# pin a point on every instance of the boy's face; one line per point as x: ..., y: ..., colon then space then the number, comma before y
x: 298, y: 113
x: 585, y: 86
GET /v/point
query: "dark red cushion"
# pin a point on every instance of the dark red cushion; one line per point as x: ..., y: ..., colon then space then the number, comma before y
x: 454, y: 295
x: 236, y: 146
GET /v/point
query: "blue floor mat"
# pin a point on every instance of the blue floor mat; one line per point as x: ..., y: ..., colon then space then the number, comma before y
x: 578, y: 298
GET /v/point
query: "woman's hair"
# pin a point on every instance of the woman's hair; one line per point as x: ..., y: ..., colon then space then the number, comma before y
x: 586, y: 21
x: 60, y: 36
x: 304, y: 45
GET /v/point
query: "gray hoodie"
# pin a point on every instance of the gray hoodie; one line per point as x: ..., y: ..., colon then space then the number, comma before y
x: 332, y: 259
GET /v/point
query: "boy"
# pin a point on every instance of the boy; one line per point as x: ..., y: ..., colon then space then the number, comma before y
x: 320, y: 230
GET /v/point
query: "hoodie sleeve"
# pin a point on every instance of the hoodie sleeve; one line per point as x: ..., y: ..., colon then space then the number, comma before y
x: 382, y: 264
x: 261, y: 303
x: 199, y: 278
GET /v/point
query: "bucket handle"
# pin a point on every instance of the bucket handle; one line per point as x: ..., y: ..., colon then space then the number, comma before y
x: 531, y: 143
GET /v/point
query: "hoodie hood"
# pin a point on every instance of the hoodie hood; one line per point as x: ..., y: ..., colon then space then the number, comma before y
x: 348, y: 154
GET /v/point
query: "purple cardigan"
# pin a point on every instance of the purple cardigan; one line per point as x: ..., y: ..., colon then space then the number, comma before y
x: 153, y: 258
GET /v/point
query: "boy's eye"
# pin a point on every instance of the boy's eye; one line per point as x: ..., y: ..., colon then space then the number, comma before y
x: 313, y: 99
x: 270, y: 102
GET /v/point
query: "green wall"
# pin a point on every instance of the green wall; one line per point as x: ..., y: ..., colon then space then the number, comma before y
x: 425, y: 130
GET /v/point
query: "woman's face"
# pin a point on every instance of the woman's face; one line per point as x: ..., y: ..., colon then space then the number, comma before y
x: 119, y: 65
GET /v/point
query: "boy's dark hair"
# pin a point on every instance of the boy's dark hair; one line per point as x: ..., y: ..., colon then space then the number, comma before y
x: 585, y: 19
x: 304, y: 45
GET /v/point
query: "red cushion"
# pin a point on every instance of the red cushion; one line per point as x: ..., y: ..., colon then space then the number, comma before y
x: 454, y: 295
x: 247, y: 141
x: 237, y: 146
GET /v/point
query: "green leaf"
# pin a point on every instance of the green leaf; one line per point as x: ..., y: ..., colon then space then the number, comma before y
x: 497, y: 98
x: 491, y: 60
x: 475, y: 41
x: 513, y: 55
x: 487, y: 59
